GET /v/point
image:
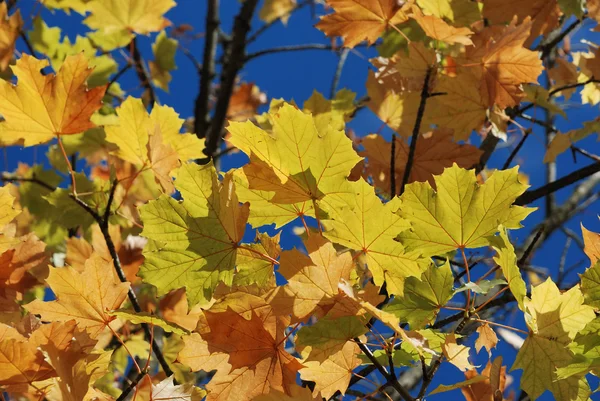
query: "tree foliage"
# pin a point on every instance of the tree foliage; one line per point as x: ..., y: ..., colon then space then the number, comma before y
x: 329, y: 262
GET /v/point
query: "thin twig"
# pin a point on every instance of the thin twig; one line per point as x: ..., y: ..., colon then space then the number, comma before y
x: 118, y: 75
x: 131, y: 386
x: 516, y: 150
x: 338, y: 71
x: 289, y: 48
x: 416, y: 129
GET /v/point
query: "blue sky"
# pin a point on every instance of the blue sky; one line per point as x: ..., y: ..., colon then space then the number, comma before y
x: 294, y: 76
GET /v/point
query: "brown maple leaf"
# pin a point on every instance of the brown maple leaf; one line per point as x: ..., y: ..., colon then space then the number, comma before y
x: 433, y: 152
x: 245, y: 101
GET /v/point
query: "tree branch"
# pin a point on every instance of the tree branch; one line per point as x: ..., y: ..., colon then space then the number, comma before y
x: 289, y: 48
x: 577, y: 175
x: 268, y: 25
x: 118, y: 75
x: 389, y: 377
x: 207, y: 73
x: 234, y: 60
x: 338, y: 71
x: 142, y: 72
x: 131, y: 386
x: 416, y: 130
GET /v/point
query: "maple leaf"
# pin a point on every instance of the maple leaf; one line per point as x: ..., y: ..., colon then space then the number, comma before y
x: 251, y: 270
x: 168, y: 390
x: 139, y: 16
x: 506, y: 64
x: 437, y: 28
x: 461, y: 214
x: 462, y: 107
x: 494, y: 382
x: 254, y: 349
x: 486, y: 338
x: 139, y: 139
x: 244, y: 102
x: 312, y: 281
x: 460, y: 12
x: 273, y: 10
x: 8, y: 209
x: 197, y: 240
x: 71, y: 354
x: 333, y: 374
x: 563, y: 73
x: 88, y: 296
x: 175, y: 309
x: 563, y: 141
x: 555, y: 319
x: 164, y: 49
x: 507, y: 260
x: 358, y: 20
x: 41, y: 107
x: 22, y: 364
x: 433, y: 153
x: 458, y: 355
x: 328, y: 336
x: 10, y: 28
x: 334, y: 112
x: 297, y: 393
x: 423, y: 297
x: 366, y: 225
x: 544, y: 14
x: 21, y: 265
x: 591, y: 242
x: 296, y: 161
x: 590, y: 285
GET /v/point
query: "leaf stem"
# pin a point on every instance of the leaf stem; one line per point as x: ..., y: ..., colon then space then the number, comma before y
x: 501, y: 325
x: 69, y: 165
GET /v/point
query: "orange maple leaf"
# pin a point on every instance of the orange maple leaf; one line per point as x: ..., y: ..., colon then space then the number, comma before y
x: 22, y: 364
x: 41, y: 107
x: 86, y: 297
x: 358, y: 20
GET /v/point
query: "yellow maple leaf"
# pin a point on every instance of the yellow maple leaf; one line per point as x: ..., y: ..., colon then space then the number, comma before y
x: 458, y: 355
x: 10, y: 28
x: 333, y: 374
x: 437, y: 28
x: 461, y: 214
x: 554, y: 320
x: 139, y: 16
x: 88, y: 296
x: 366, y: 225
x: 296, y: 162
x: 277, y: 9
x: 358, y: 20
x: 40, y: 107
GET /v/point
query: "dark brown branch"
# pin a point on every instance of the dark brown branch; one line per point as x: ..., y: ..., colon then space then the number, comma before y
x: 118, y: 75
x: 391, y: 379
x: 546, y: 48
x: 27, y: 43
x: 427, y: 378
x: 141, y: 71
x: 577, y: 175
x: 289, y: 48
x: 416, y: 130
x: 131, y: 386
x: 207, y: 73
x: 516, y: 150
x: 234, y: 60
x: 487, y: 146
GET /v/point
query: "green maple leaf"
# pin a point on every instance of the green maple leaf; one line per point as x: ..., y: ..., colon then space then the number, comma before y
x: 423, y: 297
x: 198, y: 239
x: 460, y: 214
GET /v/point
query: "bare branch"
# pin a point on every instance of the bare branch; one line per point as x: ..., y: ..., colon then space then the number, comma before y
x: 289, y: 48
x: 142, y: 72
x: 207, y: 73
x: 234, y: 60
x: 416, y: 130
